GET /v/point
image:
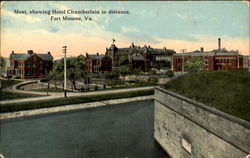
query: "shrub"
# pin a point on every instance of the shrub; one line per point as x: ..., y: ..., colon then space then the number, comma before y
x: 153, y: 80
x: 170, y: 73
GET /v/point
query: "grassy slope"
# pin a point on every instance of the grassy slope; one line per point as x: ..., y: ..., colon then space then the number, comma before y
x: 228, y: 91
x: 9, y: 95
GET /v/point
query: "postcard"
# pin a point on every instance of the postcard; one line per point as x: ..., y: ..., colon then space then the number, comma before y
x: 125, y: 79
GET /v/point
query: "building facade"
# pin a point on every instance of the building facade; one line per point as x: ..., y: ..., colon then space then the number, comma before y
x: 219, y: 59
x: 30, y: 65
x: 213, y: 60
x: 98, y: 63
x: 144, y: 58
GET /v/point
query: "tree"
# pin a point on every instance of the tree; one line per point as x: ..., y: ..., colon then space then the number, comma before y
x: 76, y: 68
x: 113, y: 77
x: 55, y: 76
x: 137, y: 72
x: 194, y: 64
x: 124, y: 71
x: 2, y: 64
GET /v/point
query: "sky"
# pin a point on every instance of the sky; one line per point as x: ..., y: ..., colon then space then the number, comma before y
x: 175, y: 25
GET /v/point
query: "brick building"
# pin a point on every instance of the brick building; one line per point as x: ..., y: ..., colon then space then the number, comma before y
x: 98, y: 63
x: 144, y: 58
x: 220, y: 59
x: 30, y: 65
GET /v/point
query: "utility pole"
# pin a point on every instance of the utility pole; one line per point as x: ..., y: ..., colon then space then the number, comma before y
x: 182, y: 65
x: 65, y: 76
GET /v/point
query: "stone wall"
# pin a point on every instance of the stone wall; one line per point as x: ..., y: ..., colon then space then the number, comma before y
x: 185, y: 128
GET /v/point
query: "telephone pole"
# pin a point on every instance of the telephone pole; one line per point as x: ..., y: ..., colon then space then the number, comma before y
x: 65, y: 76
x: 182, y: 65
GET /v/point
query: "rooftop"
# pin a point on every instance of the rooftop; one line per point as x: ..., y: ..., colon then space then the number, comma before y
x: 22, y: 56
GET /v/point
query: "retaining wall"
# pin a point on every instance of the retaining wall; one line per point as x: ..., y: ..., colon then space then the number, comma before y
x: 185, y: 128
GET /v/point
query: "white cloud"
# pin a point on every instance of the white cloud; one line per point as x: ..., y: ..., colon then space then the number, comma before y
x: 126, y: 29
x: 27, y: 18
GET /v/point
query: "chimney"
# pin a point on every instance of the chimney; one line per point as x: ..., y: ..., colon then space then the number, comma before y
x: 30, y: 52
x: 87, y: 54
x: 219, y: 44
x: 13, y: 52
x: 49, y: 53
x: 201, y: 49
x: 97, y: 53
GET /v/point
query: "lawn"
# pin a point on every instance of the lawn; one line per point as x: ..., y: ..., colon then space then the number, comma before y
x: 52, y: 89
x: 228, y: 91
x: 71, y: 100
x: 9, y: 95
x: 7, y: 83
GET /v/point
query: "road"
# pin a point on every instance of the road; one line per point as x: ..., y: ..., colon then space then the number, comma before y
x: 119, y: 131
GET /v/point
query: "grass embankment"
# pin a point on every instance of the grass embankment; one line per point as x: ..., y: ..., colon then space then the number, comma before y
x: 228, y: 91
x: 9, y: 95
x: 71, y: 100
x: 7, y: 83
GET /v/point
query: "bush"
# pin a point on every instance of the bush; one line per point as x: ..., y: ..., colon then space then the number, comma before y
x: 44, y: 80
x: 153, y: 80
x: 170, y: 73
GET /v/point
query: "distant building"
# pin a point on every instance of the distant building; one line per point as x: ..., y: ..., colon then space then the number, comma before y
x: 98, y: 63
x: 30, y: 65
x: 219, y: 59
x: 144, y: 58
x: 246, y: 62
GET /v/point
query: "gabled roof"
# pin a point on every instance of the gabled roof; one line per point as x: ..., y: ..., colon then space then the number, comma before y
x: 21, y: 56
x: 47, y: 57
x: 123, y: 49
x: 97, y: 57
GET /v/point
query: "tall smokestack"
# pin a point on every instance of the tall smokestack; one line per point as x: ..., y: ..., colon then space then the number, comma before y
x: 219, y: 44
x: 201, y: 49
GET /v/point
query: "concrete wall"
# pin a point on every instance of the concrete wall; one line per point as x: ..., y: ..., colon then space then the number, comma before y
x: 185, y: 128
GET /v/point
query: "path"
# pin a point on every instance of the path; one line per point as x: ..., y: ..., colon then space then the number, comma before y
x: 54, y: 95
